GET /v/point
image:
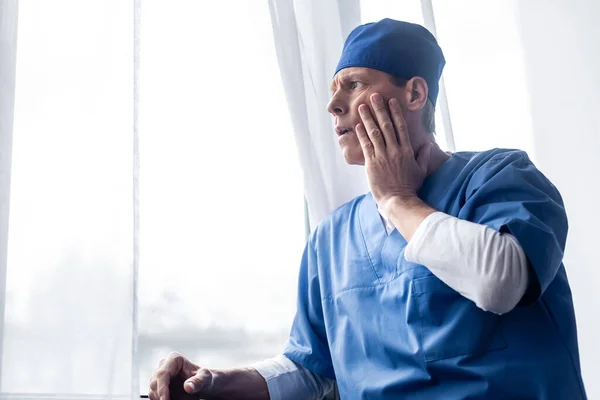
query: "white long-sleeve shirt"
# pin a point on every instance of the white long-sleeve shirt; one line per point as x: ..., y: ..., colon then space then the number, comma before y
x: 487, y: 267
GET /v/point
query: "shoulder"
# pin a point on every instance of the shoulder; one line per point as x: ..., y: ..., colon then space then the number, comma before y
x: 496, y: 158
x: 485, y: 165
x: 474, y: 167
x: 505, y: 170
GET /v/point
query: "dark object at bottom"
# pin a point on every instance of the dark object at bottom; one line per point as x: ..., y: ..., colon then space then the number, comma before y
x: 177, y: 392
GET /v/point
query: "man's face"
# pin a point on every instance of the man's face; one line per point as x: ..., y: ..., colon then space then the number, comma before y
x: 350, y: 88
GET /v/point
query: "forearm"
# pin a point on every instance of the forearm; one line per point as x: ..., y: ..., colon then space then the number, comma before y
x: 485, y: 266
x: 239, y: 384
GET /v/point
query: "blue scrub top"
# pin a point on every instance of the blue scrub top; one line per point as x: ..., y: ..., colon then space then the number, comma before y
x: 386, y: 328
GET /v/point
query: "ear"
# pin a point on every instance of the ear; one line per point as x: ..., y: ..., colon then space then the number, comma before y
x: 416, y: 93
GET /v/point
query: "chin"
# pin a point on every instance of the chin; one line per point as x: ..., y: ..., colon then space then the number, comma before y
x: 351, y: 149
x: 354, y: 157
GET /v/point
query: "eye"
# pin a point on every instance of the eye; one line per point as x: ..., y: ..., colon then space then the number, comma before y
x: 355, y: 85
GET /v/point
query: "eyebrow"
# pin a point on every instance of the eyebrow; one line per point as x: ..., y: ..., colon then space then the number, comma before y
x: 349, y: 77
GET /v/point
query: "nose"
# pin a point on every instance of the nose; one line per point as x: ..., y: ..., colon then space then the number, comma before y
x: 336, y: 106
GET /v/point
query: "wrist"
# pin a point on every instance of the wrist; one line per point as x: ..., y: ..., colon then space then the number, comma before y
x: 239, y: 384
x: 399, y: 202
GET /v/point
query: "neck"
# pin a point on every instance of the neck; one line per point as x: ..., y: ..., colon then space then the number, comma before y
x: 437, y: 158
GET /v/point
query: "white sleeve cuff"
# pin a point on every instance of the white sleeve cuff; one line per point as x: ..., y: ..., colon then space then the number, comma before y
x: 290, y: 381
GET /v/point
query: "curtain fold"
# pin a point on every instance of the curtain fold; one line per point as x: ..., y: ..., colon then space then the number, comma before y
x: 8, y: 61
x: 135, y: 359
x: 309, y: 36
x: 443, y: 110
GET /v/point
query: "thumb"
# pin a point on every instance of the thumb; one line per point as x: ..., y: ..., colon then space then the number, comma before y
x: 423, y: 157
x: 201, y: 382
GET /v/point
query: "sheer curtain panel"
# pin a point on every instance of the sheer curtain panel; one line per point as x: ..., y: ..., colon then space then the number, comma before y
x: 67, y: 249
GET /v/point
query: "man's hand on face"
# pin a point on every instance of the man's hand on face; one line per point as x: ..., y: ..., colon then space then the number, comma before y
x: 177, y: 378
x: 393, y: 169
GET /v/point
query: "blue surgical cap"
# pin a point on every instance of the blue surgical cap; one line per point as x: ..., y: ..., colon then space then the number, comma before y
x: 398, y: 48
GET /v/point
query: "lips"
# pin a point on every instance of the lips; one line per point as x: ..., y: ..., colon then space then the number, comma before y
x: 342, y: 131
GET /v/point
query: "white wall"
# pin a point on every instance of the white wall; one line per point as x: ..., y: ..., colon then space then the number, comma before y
x: 561, y: 45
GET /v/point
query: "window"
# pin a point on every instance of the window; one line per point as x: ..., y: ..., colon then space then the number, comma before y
x: 222, y: 213
x: 221, y: 197
x: 485, y: 74
x: 68, y: 307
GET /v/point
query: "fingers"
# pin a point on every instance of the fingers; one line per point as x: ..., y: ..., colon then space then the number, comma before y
x: 163, y: 379
x: 366, y: 144
x: 153, y: 394
x: 374, y: 133
x: 384, y: 121
x: 400, y: 124
x: 169, y: 369
x: 175, y: 364
x: 202, y: 381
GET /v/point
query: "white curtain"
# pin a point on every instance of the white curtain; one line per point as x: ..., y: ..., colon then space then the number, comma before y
x: 219, y: 229
x: 8, y: 51
x: 66, y: 256
x: 309, y: 36
x: 221, y: 202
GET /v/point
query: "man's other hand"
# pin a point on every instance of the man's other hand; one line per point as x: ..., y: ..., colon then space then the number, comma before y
x: 177, y: 378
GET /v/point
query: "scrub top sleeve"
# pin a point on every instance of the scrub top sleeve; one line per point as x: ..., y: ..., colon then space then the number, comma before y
x: 307, y: 344
x: 509, y: 194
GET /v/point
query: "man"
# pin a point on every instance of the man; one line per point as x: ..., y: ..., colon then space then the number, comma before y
x: 444, y: 282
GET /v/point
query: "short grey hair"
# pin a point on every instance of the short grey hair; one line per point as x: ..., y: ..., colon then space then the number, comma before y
x: 428, y: 110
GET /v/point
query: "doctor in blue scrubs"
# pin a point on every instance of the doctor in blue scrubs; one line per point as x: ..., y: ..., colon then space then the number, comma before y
x: 445, y: 281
